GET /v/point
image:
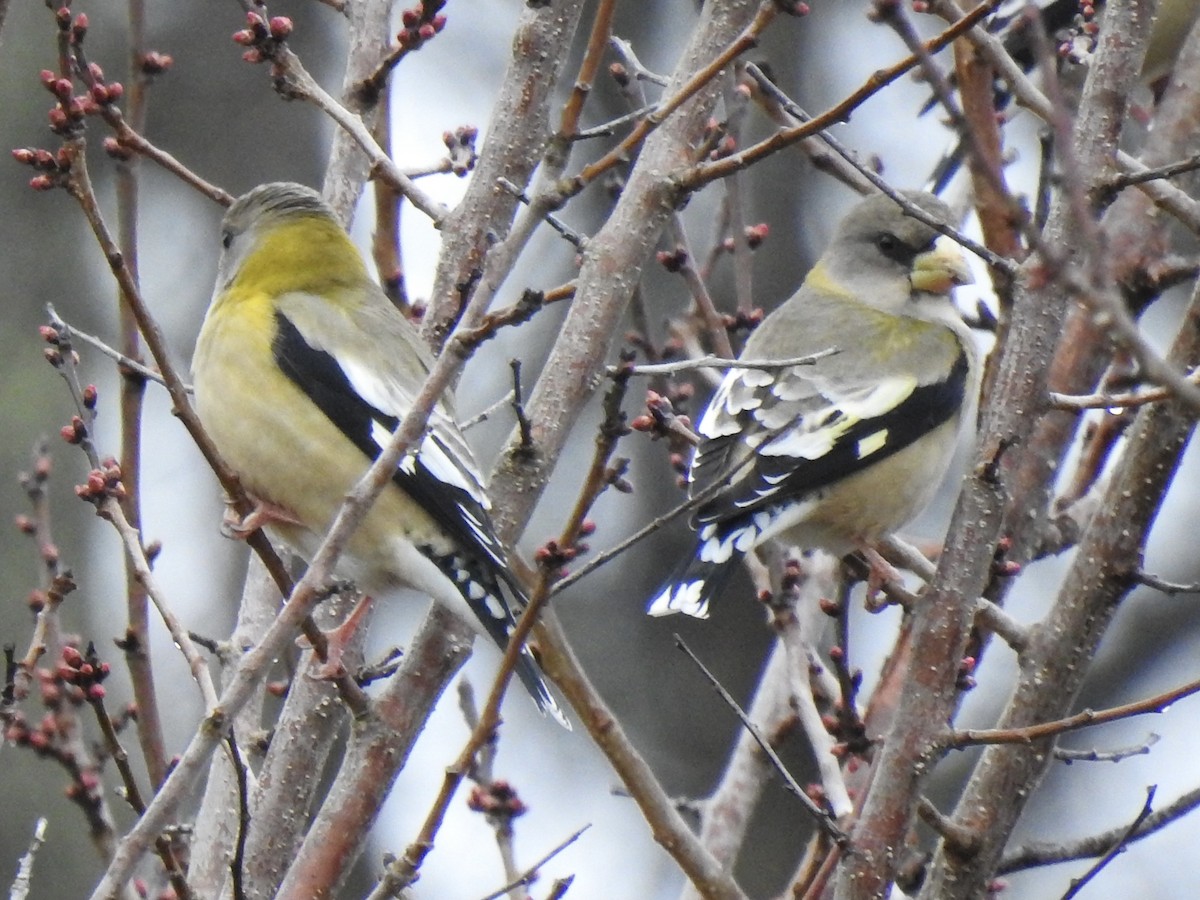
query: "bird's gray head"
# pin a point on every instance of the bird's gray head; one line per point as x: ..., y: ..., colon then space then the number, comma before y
x: 880, y: 244
x: 258, y: 210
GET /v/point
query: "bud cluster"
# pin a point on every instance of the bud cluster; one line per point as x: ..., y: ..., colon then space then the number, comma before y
x: 53, y: 166
x: 59, y: 349
x: 496, y: 800
x: 102, y: 482
x: 421, y: 24
x: 461, y: 145
x: 85, y: 672
x: 75, y: 681
x: 66, y: 117
x: 262, y: 37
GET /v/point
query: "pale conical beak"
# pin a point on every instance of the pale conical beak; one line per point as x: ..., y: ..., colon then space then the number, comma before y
x: 940, y: 270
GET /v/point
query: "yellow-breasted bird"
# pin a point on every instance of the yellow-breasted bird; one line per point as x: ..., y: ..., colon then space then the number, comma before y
x: 844, y: 451
x: 302, y: 370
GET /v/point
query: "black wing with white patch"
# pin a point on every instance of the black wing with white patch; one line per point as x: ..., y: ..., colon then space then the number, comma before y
x: 778, y: 440
x: 805, y: 438
x: 431, y: 477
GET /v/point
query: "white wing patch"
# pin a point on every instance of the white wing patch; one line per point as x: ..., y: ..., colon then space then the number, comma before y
x: 872, y: 443
x: 384, y: 394
x: 388, y: 397
x: 449, y: 470
x: 817, y: 431
x: 381, y: 434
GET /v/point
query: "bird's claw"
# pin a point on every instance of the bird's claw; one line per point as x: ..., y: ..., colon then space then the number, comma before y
x: 239, y: 527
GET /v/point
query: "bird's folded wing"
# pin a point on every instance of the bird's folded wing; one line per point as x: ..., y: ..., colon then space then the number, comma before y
x: 360, y: 389
x: 806, y: 431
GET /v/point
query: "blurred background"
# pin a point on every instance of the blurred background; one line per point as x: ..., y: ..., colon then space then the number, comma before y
x: 221, y: 117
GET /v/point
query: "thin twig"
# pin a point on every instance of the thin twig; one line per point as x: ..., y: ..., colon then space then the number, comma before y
x: 1125, y: 179
x: 1046, y: 854
x: 295, y: 81
x: 1126, y: 400
x: 1171, y: 588
x: 823, y: 819
x: 528, y: 876
x: 1068, y: 756
x: 404, y: 870
x: 959, y: 739
x: 23, y: 881
x: 718, y: 362
x: 570, y: 235
x: 1118, y: 846
x: 111, y: 352
x: 743, y: 42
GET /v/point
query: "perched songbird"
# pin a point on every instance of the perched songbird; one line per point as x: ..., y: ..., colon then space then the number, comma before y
x: 302, y: 371
x: 841, y: 452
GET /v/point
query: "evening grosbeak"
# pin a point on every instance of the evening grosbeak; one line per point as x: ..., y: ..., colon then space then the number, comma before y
x: 839, y: 453
x: 302, y: 371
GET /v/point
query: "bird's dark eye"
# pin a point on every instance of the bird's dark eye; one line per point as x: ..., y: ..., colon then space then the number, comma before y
x: 893, y: 248
x: 226, y: 239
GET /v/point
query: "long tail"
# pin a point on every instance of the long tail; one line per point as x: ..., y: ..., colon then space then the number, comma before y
x: 496, y: 601
x: 694, y: 585
x: 531, y: 676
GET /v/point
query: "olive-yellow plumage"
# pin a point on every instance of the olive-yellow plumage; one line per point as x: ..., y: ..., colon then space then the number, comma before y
x: 302, y: 370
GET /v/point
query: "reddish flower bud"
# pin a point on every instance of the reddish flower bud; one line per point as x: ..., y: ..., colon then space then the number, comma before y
x: 281, y: 27
x: 77, y: 429
x: 253, y: 55
x: 116, y: 149
x: 756, y: 234
x: 642, y: 423
x: 96, y: 693
x: 1008, y: 568
x: 426, y: 31
x: 116, y: 91
x: 155, y: 63
x: 830, y: 607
